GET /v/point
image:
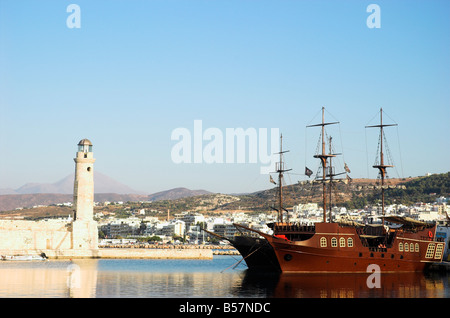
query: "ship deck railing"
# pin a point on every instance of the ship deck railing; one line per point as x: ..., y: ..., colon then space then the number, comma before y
x: 295, y: 228
x: 378, y: 249
x: 432, y: 239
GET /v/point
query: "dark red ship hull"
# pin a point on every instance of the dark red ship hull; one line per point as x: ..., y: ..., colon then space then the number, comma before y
x: 257, y: 253
x: 337, y: 248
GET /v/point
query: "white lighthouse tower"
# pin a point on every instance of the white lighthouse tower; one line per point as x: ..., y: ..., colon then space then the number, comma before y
x: 83, y: 191
x: 85, y: 231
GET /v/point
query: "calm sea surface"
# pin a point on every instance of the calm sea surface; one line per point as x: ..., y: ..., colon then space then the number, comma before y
x: 219, y: 277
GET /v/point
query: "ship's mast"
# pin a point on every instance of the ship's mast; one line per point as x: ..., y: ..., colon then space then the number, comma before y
x: 330, y: 169
x: 381, y: 166
x: 323, y: 159
x: 280, y: 169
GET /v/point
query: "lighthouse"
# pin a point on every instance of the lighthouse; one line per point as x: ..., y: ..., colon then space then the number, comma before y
x: 84, y: 228
x: 83, y: 191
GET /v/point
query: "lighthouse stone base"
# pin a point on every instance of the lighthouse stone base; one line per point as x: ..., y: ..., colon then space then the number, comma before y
x: 55, y: 238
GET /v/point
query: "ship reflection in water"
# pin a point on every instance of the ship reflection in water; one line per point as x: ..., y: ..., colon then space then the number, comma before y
x: 200, y: 279
x: 348, y: 285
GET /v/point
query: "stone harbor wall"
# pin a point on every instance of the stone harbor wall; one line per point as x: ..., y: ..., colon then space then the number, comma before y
x: 78, y: 239
x: 55, y: 238
x: 35, y: 235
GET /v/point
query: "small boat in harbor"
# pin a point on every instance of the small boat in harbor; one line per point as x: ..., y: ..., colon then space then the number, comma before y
x: 443, y: 232
x: 41, y: 257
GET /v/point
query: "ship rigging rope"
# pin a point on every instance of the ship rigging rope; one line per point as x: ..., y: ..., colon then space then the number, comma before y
x: 306, y: 143
x: 306, y: 134
x: 388, y: 152
x: 317, y: 114
x: 367, y: 151
x: 367, y: 155
x: 398, y: 141
x: 342, y: 144
x: 400, y: 153
x: 237, y: 263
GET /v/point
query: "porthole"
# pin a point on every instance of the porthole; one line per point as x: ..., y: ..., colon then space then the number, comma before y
x: 89, y: 169
x: 288, y: 257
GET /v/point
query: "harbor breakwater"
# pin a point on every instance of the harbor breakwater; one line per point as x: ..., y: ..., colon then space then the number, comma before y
x: 122, y: 253
x: 165, y: 251
x: 134, y: 251
x: 149, y: 253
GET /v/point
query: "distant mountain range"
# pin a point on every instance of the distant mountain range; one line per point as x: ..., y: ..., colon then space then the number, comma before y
x: 105, y: 188
x: 103, y: 184
x: 176, y: 193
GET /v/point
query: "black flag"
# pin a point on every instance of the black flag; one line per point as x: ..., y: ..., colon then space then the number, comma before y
x: 271, y: 180
x: 346, y: 168
x: 308, y: 172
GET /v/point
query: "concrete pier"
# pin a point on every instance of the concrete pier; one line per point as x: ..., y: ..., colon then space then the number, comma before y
x: 147, y: 253
x: 130, y: 253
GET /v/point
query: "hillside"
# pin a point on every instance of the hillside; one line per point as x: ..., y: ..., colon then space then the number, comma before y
x: 356, y: 194
x: 40, y: 212
x: 205, y: 203
x: 422, y: 189
x: 175, y: 193
x: 13, y: 201
x: 10, y: 202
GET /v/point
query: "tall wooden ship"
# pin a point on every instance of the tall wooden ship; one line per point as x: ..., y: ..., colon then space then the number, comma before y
x: 406, y: 245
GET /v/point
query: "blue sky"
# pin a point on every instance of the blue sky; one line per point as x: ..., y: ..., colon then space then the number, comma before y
x: 137, y: 70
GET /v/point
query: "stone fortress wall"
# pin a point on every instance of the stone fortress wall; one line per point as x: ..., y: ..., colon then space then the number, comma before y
x: 35, y: 235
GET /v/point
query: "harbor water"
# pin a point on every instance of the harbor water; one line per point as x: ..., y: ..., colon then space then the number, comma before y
x: 222, y: 277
